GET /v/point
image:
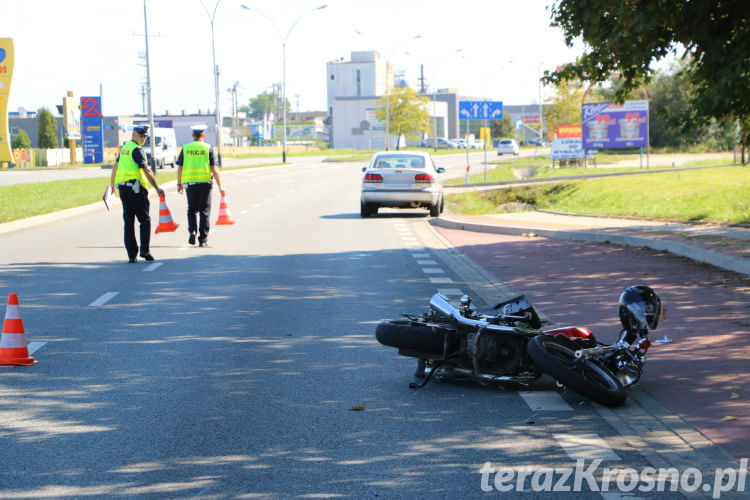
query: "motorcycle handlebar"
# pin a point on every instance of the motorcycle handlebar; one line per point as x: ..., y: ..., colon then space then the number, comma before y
x: 440, y: 304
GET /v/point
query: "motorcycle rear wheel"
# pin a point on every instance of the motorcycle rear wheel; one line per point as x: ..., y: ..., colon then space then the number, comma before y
x: 412, y: 337
x: 591, y: 379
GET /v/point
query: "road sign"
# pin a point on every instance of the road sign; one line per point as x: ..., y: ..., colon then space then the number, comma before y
x: 480, y: 110
x: 519, y: 123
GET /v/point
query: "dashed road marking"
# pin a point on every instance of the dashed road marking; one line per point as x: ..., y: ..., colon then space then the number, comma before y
x: 152, y: 267
x: 104, y: 299
x: 586, y: 446
x: 35, y: 346
x: 421, y: 255
x: 441, y: 280
x: 450, y: 292
x: 426, y: 262
x: 545, y: 401
x: 432, y: 270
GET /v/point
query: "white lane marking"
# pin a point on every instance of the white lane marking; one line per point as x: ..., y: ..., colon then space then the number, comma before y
x: 432, y: 270
x: 420, y: 249
x: 426, y: 262
x: 450, y: 291
x: 414, y: 244
x: 35, y: 346
x: 545, y: 401
x: 152, y: 267
x: 183, y: 248
x: 104, y: 299
x: 421, y: 255
x: 586, y: 446
x: 269, y: 199
x: 441, y: 280
x: 256, y: 205
x: 243, y: 212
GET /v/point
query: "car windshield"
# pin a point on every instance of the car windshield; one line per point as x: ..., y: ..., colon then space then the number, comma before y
x: 148, y: 142
x: 399, y: 161
x: 506, y: 142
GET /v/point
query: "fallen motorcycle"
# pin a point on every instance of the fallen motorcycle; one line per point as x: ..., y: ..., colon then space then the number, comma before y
x: 515, y: 345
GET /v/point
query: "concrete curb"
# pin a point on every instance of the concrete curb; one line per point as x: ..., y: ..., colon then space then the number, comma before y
x: 717, y: 259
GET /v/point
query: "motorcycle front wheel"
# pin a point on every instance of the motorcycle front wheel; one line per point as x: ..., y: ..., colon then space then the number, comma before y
x: 589, y: 378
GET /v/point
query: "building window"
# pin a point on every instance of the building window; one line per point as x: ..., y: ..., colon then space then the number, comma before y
x: 332, y: 78
x: 359, y: 84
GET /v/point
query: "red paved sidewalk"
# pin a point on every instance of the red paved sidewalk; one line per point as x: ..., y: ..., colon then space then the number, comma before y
x: 708, y: 317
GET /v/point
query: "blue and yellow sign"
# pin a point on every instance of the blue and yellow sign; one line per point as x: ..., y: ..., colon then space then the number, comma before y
x: 6, y: 73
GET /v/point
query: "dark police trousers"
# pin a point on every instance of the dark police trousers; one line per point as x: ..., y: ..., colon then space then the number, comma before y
x: 135, y: 205
x: 199, y: 200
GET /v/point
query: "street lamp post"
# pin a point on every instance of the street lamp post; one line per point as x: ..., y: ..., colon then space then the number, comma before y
x: 148, y: 89
x: 388, y: 85
x: 283, y: 65
x: 217, y: 114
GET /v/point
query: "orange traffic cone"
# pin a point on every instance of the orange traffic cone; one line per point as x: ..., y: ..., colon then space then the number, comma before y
x: 13, y: 349
x: 225, y: 215
x: 166, y: 224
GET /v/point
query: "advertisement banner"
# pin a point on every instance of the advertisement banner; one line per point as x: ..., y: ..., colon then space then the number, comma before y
x: 569, y: 131
x: 92, y: 123
x: 6, y: 73
x: 72, y: 117
x: 607, y: 125
x: 568, y: 149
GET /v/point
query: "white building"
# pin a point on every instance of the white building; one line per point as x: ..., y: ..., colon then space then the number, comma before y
x: 357, y: 128
x: 364, y: 75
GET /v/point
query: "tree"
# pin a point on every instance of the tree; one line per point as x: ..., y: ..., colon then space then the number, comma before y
x: 565, y: 108
x: 625, y: 37
x: 47, y: 130
x: 504, y: 127
x: 21, y: 140
x: 266, y: 103
x: 408, y: 113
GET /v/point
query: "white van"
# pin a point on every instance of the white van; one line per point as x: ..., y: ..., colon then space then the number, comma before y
x: 166, y: 147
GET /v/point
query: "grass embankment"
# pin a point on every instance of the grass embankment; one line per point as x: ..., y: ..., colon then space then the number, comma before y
x: 19, y: 201
x: 720, y: 195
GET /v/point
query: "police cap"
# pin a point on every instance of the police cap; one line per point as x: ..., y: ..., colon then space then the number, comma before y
x: 141, y: 129
x: 199, y: 129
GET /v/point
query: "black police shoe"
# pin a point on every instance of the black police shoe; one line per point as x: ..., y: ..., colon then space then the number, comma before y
x: 203, y: 244
x: 131, y: 260
x: 147, y: 256
x: 191, y: 239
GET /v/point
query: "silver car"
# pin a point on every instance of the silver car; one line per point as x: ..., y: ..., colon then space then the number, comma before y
x: 406, y: 179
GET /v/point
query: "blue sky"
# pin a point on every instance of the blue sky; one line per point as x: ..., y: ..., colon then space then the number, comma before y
x: 78, y: 45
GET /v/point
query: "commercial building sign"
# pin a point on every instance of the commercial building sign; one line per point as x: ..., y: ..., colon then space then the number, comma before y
x: 6, y: 73
x: 608, y: 125
x: 92, y: 123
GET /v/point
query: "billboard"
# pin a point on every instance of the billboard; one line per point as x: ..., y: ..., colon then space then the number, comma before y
x: 92, y: 123
x: 607, y: 125
x: 569, y: 131
x: 6, y: 73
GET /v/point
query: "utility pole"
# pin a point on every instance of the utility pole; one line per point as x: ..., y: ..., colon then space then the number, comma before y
x: 148, y: 85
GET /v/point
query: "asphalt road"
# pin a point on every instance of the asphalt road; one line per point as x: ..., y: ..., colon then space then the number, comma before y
x: 234, y: 371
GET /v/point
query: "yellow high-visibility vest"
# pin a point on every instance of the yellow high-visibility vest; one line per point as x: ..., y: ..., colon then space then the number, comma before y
x: 196, y: 166
x: 127, y: 168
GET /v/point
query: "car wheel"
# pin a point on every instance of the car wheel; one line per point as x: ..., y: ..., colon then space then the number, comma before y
x: 363, y: 212
x: 435, y: 209
x: 442, y: 204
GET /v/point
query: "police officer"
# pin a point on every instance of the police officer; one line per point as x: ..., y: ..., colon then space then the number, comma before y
x: 194, y: 168
x: 133, y: 177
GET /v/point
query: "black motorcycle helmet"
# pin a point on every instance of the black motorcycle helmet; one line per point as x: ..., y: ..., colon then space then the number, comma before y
x: 640, y: 309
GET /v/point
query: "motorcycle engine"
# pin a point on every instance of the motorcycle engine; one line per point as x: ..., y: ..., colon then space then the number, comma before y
x: 497, y: 354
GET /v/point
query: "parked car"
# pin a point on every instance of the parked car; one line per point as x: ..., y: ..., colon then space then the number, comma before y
x: 441, y: 143
x: 477, y: 145
x: 460, y: 143
x: 407, y: 179
x: 507, y: 146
